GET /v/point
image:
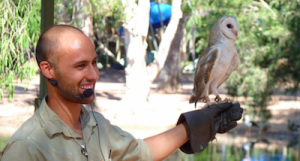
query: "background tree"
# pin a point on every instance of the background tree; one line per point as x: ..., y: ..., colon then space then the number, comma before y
x: 19, y: 30
x: 139, y: 85
x: 77, y: 14
x: 107, y: 20
x: 136, y: 26
x: 169, y: 55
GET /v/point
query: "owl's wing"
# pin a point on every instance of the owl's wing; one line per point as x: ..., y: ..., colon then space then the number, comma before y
x: 233, y: 65
x: 204, y: 67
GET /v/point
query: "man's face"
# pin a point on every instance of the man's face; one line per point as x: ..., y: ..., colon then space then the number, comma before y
x: 76, y: 67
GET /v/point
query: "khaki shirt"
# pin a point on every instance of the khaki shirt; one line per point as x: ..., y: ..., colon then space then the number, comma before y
x: 45, y: 137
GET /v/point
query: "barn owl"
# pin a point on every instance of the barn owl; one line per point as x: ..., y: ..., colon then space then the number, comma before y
x: 217, y: 61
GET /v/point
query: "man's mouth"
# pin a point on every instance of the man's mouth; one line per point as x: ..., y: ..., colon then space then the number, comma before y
x: 87, y: 86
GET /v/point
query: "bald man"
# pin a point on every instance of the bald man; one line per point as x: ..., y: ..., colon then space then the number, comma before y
x: 62, y: 129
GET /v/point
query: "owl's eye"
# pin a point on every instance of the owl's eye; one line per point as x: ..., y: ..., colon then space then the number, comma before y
x: 229, y: 26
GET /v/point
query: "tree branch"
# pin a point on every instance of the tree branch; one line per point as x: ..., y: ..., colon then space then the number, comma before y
x: 105, y: 49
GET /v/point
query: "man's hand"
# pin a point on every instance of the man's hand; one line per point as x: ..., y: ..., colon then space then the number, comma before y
x: 203, y: 124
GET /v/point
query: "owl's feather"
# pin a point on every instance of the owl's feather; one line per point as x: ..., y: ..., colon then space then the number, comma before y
x: 233, y: 65
x: 203, y: 72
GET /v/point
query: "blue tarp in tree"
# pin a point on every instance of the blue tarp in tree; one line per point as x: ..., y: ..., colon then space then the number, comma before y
x: 165, y: 10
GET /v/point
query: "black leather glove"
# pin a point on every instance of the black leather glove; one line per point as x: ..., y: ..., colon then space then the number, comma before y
x: 202, y: 125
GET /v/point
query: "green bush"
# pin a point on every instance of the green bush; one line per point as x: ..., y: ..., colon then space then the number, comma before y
x: 20, y: 21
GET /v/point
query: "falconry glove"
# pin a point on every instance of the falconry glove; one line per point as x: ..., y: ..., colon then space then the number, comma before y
x: 202, y: 125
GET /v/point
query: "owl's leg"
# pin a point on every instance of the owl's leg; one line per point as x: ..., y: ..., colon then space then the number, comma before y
x: 206, y: 100
x: 213, y: 89
x: 205, y: 97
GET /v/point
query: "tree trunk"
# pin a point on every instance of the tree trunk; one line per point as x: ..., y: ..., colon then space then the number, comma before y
x: 138, y: 77
x: 136, y: 30
x: 183, y: 45
x: 170, y: 75
x: 62, y: 16
x: 118, y: 48
x: 83, y: 17
x: 169, y: 50
x: 168, y: 36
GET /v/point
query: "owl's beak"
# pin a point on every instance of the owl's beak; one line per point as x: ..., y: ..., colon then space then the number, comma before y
x: 235, y: 33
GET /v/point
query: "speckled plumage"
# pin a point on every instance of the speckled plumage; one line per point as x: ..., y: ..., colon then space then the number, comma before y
x: 217, y: 61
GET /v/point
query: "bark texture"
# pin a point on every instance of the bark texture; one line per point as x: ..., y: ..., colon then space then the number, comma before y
x: 170, y: 75
x: 83, y: 17
x: 136, y: 30
x: 168, y: 56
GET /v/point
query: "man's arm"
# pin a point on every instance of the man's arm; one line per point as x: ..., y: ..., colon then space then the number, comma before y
x: 164, y: 144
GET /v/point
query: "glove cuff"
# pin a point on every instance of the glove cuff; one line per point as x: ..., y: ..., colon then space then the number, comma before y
x: 199, y: 129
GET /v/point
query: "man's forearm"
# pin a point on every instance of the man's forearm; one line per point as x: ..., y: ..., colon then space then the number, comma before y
x: 164, y: 144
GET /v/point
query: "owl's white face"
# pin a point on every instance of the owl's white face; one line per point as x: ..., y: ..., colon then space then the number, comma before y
x: 229, y: 27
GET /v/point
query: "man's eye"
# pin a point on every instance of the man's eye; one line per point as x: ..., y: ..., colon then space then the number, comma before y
x: 94, y: 62
x: 80, y: 66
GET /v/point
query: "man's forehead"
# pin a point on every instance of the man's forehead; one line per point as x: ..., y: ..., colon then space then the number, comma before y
x: 75, y: 44
x: 74, y: 47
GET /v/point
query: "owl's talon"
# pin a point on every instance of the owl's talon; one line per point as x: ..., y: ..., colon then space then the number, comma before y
x: 206, y: 99
x: 218, y: 98
x: 227, y: 100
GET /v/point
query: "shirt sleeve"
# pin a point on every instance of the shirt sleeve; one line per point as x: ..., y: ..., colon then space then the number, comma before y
x: 128, y: 148
x: 19, y: 150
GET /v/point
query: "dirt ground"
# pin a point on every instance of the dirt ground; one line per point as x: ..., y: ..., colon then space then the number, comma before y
x: 142, y: 119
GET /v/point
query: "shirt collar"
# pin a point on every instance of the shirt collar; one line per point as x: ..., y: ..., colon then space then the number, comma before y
x: 52, y: 124
x: 87, y: 117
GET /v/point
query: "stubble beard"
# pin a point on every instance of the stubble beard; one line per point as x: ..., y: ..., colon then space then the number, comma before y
x: 68, y: 88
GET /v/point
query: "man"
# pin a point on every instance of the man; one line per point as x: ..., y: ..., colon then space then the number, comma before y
x: 62, y: 129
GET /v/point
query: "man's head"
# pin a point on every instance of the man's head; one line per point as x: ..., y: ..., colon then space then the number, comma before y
x: 73, y: 62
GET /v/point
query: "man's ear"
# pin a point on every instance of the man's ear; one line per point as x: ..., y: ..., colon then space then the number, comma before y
x: 47, y: 70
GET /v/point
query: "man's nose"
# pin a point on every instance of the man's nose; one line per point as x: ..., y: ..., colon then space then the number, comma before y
x: 93, y: 73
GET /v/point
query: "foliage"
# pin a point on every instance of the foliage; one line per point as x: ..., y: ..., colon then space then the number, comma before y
x: 107, y: 20
x: 268, y: 45
x: 3, y: 141
x: 111, y: 10
x: 107, y: 17
x: 19, y: 30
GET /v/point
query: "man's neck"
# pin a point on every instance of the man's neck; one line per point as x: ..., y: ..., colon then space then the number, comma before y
x: 67, y: 111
